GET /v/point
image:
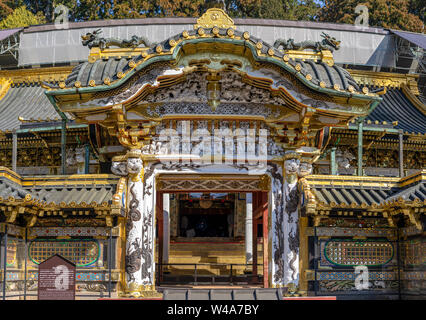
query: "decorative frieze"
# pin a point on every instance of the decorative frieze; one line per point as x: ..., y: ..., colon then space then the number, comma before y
x: 351, y: 232
x: 186, y: 183
x: 68, y: 232
x: 339, y: 275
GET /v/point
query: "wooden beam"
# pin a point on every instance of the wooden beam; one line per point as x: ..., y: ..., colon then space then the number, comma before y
x: 259, y: 211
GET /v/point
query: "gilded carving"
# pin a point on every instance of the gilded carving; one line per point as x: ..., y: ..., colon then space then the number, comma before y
x: 214, y: 17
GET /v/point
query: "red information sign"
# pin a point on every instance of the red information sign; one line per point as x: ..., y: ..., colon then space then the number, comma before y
x: 56, y: 279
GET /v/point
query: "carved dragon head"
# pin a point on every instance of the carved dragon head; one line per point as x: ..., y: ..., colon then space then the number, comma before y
x: 331, y: 41
x: 90, y: 36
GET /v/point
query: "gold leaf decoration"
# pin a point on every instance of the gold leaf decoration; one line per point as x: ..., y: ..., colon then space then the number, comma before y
x: 214, y: 17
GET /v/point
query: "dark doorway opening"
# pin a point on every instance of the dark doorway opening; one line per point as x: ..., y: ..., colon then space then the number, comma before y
x: 206, y: 215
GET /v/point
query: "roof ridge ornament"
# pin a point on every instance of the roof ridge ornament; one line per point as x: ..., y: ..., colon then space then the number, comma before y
x: 327, y: 43
x: 215, y: 17
x: 93, y: 39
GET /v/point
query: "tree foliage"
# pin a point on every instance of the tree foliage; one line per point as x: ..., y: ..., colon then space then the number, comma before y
x: 392, y: 14
x: 6, y: 8
x: 273, y: 9
x: 418, y: 8
x: 396, y: 14
x: 84, y: 10
x: 21, y: 17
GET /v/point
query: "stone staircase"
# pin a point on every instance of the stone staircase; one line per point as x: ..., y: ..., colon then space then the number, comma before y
x: 213, y: 258
x: 222, y: 294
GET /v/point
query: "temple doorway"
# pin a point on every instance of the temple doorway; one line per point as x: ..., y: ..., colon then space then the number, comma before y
x: 212, y: 238
x: 206, y: 215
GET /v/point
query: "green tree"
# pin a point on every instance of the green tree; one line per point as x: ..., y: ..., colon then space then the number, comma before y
x: 21, y: 17
x: 6, y: 8
x: 418, y: 8
x: 77, y: 9
x: 84, y: 10
x: 273, y: 9
x: 392, y: 14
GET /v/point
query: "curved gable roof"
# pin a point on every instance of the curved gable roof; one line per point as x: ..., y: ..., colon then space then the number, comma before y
x: 316, y: 75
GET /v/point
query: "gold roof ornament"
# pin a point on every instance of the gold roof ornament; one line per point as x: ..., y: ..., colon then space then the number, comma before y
x: 215, y: 17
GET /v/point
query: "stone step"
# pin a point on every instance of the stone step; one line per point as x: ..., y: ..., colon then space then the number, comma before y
x: 223, y: 294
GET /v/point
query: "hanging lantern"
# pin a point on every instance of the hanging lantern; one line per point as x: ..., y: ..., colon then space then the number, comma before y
x: 213, y: 90
x: 205, y: 204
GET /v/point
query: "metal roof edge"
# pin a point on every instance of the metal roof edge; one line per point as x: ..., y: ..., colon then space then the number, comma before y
x: 186, y: 20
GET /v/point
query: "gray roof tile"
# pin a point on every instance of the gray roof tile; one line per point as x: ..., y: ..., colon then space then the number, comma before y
x: 396, y: 107
x: 101, y: 69
x: 27, y: 101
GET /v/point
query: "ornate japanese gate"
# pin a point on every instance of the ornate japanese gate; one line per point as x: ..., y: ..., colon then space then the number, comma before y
x: 214, y: 101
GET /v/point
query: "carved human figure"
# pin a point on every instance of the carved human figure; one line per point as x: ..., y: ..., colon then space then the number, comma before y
x: 80, y: 159
x: 343, y: 159
x: 70, y: 157
x: 305, y: 169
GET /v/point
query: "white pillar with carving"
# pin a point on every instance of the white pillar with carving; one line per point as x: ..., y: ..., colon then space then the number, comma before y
x: 134, y: 223
x: 276, y: 228
x: 148, y: 230
x: 291, y: 219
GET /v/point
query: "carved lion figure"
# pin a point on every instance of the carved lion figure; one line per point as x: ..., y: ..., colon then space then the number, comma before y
x: 291, y: 166
x: 134, y: 165
x: 305, y: 169
x: 119, y: 168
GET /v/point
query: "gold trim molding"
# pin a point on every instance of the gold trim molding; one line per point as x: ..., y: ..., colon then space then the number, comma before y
x: 386, y: 79
x: 4, y: 86
x: 413, y: 99
x: 37, y: 75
